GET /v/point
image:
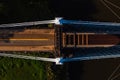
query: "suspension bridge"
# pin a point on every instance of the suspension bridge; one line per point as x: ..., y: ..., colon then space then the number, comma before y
x: 69, y: 40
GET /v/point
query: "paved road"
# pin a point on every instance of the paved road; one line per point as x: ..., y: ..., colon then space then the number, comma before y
x: 27, y: 40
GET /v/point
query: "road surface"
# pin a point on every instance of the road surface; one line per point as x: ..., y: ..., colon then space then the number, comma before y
x: 27, y: 40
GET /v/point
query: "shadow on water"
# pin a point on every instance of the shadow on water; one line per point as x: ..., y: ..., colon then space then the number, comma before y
x: 73, y: 9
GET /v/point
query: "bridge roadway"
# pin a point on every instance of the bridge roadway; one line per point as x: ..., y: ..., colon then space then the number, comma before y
x: 44, y: 40
x: 90, y: 40
x: 27, y: 40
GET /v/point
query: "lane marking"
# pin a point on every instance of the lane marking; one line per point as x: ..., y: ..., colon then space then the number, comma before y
x: 86, y: 39
x: 64, y: 39
x: 78, y: 39
x: 82, y: 39
x: 74, y: 39
x: 26, y: 39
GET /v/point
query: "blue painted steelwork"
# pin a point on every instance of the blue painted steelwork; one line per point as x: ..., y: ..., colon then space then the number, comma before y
x: 63, y: 21
x: 95, y: 27
x: 62, y: 60
x: 94, y: 53
x: 89, y: 26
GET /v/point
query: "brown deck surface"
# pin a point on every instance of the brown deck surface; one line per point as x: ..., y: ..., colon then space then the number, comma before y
x: 90, y: 40
x: 106, y: 39
x: 27, y: 40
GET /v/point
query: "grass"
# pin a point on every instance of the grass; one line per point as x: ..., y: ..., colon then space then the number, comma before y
x: 20, y: 69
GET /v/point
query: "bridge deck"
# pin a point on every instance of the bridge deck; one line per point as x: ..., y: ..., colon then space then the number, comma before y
x: 90, y: 40
x: 27, y: 40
